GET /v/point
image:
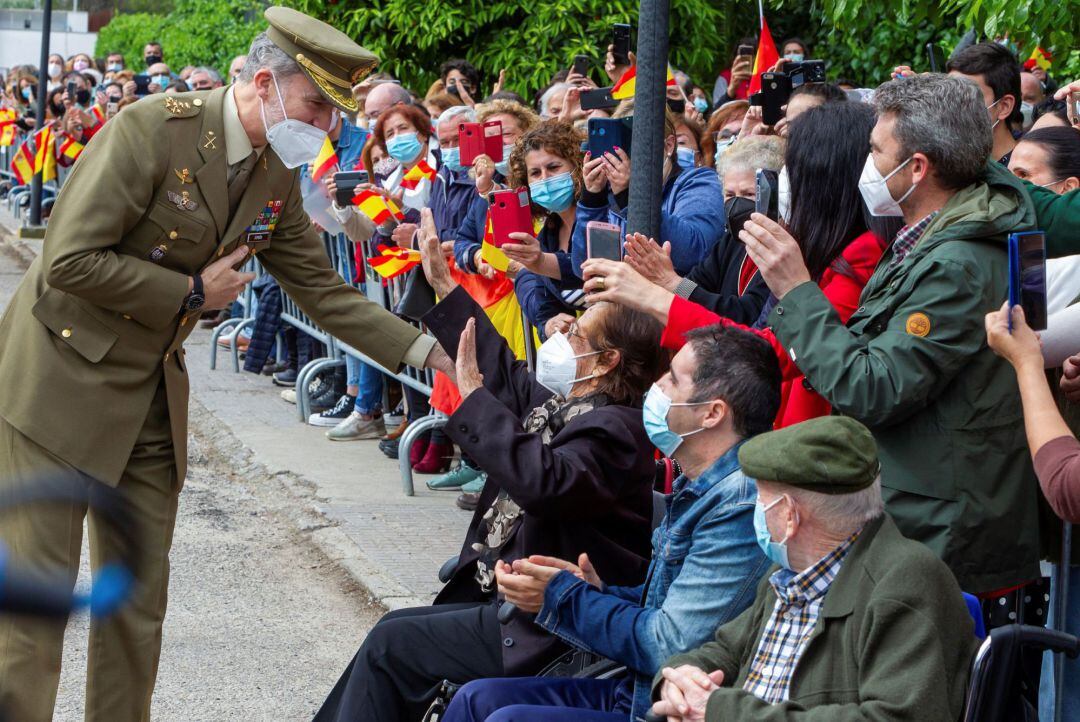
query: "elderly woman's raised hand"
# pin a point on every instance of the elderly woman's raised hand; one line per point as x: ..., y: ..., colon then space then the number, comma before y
x: 431, y: 256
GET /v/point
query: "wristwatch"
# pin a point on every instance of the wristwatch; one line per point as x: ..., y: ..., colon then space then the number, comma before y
x: 195, y: 300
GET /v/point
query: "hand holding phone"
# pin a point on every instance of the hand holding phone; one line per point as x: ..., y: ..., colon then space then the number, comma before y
x: 1027, y: 277
x: 476, y: 139
x: 511, y: 212
x: 347, y: 185
x: 620, y: 41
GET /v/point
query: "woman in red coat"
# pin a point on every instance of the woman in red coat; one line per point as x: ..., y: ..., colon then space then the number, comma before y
x: 826, y: 152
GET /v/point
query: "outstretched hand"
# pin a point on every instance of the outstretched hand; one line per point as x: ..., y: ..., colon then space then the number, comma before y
x: 432, y: 258
x: 469, y: 378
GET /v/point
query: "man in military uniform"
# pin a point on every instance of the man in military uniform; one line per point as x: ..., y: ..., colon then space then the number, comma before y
x: 163, y: 205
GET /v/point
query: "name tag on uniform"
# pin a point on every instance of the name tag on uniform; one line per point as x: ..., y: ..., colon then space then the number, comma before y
x: 258, y: 233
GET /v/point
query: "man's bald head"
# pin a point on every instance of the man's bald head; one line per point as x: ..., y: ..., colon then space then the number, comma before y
x: 382, y: 96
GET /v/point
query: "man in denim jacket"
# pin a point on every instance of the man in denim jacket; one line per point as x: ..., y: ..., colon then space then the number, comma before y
x: 723, y: 387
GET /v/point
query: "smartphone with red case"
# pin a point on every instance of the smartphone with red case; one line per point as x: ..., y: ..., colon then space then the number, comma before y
x: 511, y: 212
x: 603, y: 240
x: 475, y: 139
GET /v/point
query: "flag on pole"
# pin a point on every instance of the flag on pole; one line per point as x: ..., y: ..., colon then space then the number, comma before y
x: 326, y: 160
x: 376, y: 207
x: 8, y: 129
x: 392, y: 261
x: 766, y: 56
x: 627, y: 84
x: 35, y: 155
x: 418, y: 173
x: 22, y: 165
x: 1039, y: 58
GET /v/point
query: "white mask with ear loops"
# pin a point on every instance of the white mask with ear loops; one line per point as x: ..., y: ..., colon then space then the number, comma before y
x: 294, y: 141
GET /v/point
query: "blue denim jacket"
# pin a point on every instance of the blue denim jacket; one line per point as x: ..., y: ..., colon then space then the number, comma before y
x: 705, y: 568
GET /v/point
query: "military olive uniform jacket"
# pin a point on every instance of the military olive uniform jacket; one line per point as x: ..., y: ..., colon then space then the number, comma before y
x: 893, y: 641
x: 913, y: 365
x: 96, y: 321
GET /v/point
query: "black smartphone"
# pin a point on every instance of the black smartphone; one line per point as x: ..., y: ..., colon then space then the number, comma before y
x: 620, y: 40
x: 677, y: 105
x: 767, y: 200
x: 775, y: 92
x: 605, y: 134
x: 1027, y: 281
x: 71, y: 90
x: 936, y: 57
x: 346, y: 182
x: 581, y: 65
x: 597, y: 98
x: 142, y: 84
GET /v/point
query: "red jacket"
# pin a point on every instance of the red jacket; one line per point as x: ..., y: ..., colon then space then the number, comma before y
x: 842, y: 284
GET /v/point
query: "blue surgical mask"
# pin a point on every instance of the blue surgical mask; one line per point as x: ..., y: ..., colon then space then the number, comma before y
x: 114, y: 67
x: 503, y: 166
x: 654, y: 414
x: 556, y: 193
x: 161, y: 80
x: 404, y: 147
x: 26, y: 91
x: 451, y: 158
x: 701, y: 105
x: 794, y: 57
x: 777, y: 552
x: 686, y: 156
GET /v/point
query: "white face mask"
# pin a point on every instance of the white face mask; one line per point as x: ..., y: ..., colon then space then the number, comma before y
x: 556, y: 365
x: 875, y: 192
x: 55, y: 69
x: 295, y: 142
x: 1028, y: 111
x: 783, y: 194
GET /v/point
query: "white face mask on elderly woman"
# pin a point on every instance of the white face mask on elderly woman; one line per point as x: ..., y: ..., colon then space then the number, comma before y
x: 294, y: 141
x: 556, y: 365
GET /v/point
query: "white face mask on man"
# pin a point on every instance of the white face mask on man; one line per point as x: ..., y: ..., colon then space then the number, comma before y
x: 875, y: 190
x: 294, y: 141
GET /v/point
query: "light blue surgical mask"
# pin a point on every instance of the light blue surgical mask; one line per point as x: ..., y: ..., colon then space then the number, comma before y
x: 701, y: 105
x: 794, y: 57
x: 114, y: 67
x: 503, y: 166
x: 161, y: 80
x: 686, y: 157
x: 404, y: 147
x: 26, y: 92
x: 451, y: 158
x: 777, y: 552
x: 556, y: 193
x: 654, y: 414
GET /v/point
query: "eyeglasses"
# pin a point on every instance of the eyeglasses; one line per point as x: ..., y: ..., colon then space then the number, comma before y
x: 573, y: 331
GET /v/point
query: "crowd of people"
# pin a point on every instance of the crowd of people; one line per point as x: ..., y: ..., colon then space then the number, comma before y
x: 849, y: 429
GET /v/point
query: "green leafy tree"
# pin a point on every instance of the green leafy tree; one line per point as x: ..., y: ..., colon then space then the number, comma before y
x: 196, y: 32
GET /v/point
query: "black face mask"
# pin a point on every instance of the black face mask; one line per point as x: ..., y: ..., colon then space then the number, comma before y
x: 151, y: 59
x: 82, y: 97
x: 57, y: 109
x: 738, y: 210
x: 677, y: 106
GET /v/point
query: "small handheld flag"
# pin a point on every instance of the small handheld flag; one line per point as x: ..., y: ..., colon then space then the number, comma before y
x: 392, y: 262
x: 627, y: 84
x: 376, y: 207
x: 325, y: 162
x: 417, y: 174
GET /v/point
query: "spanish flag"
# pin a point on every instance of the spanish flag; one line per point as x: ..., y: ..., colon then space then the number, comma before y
x: 8, y: 129
x: 1039, y: 58
x: 766, y: 56
x: 35, y: 155
x: 626, y: 86
x: 326, y: 160
x: 376, y: 207
x: 392, y: 261
x: 70, y: 148
x: 418, y: 173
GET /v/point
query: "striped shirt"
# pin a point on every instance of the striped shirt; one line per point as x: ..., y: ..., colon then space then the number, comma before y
x: 798, y: 603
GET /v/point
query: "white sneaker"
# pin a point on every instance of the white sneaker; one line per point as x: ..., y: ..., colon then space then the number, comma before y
x: 289, y: 396
x: 356, y: 427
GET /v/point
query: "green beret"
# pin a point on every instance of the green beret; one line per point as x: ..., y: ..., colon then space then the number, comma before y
x: 326, y: 55
x: 829, y: 455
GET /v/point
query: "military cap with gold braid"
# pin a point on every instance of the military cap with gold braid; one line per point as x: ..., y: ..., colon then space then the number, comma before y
x: 326, y: 55
x: 829, y: 455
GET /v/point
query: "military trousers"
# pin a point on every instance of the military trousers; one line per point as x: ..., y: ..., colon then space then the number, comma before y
x: 124, y: 648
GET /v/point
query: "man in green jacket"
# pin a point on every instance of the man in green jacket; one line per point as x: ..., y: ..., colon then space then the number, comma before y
x: 856, y: 622
x: 912, y: 362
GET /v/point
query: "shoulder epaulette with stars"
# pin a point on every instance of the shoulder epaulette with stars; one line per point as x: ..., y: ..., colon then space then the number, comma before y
x: 179, y: 107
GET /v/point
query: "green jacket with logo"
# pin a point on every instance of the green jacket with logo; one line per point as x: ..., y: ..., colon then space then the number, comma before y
x: 913, y: 365
x: 893, y: 641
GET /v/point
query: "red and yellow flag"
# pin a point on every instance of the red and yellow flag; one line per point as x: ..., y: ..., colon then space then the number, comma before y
x: 418, y: 173
x: 394, y: 261
x: 70, y: 148
x: 326, y: 160
x: 376, y: 207
x: 1039, y: 58
x: 627, y: 83
x: 35, y: 155
x: 8, y: 129
x: 766, y: 56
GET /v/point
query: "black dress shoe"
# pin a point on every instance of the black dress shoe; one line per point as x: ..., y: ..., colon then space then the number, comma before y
x: 389, y: 447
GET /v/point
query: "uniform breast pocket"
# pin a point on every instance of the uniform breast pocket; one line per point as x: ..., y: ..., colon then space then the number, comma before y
x: 169, y: 229
x: 74, y: 325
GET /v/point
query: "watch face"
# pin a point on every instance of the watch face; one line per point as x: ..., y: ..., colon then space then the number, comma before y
x: 195, y: 301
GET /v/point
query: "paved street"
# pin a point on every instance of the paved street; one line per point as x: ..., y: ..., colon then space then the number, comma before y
x: 261, y: 621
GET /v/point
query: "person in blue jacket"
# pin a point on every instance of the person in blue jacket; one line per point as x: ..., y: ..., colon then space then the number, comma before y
x: 724, y: 387
x: 691, y: 205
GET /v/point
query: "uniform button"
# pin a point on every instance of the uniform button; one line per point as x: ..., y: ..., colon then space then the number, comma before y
x: 173, y: 235
x: 508, y: 642
x: 474, y: 439
x: 166, y: 358
x: 463, y: 428
x: 197, y: 102
x: 127, y: 317
x: 66, y: 333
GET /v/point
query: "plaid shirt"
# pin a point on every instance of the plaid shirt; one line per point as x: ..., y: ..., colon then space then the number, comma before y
x: 908, y: 236
x: 798, y: 602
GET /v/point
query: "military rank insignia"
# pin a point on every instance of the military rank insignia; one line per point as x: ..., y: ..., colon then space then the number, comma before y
x: 258, y: 233
x: 182, y: 201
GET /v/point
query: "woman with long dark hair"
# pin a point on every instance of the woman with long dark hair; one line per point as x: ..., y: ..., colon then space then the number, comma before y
x: 826, y: 215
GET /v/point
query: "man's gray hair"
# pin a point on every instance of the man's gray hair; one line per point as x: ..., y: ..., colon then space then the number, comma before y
x: 942, y: 117
x: 464, y: 112
x: 215, y: 76
x: 842, y: 514
x: 753, y: 154
x: 264, y: 54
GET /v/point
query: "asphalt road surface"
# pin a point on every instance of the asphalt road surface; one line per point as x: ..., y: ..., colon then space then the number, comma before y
x: 260, y: 624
